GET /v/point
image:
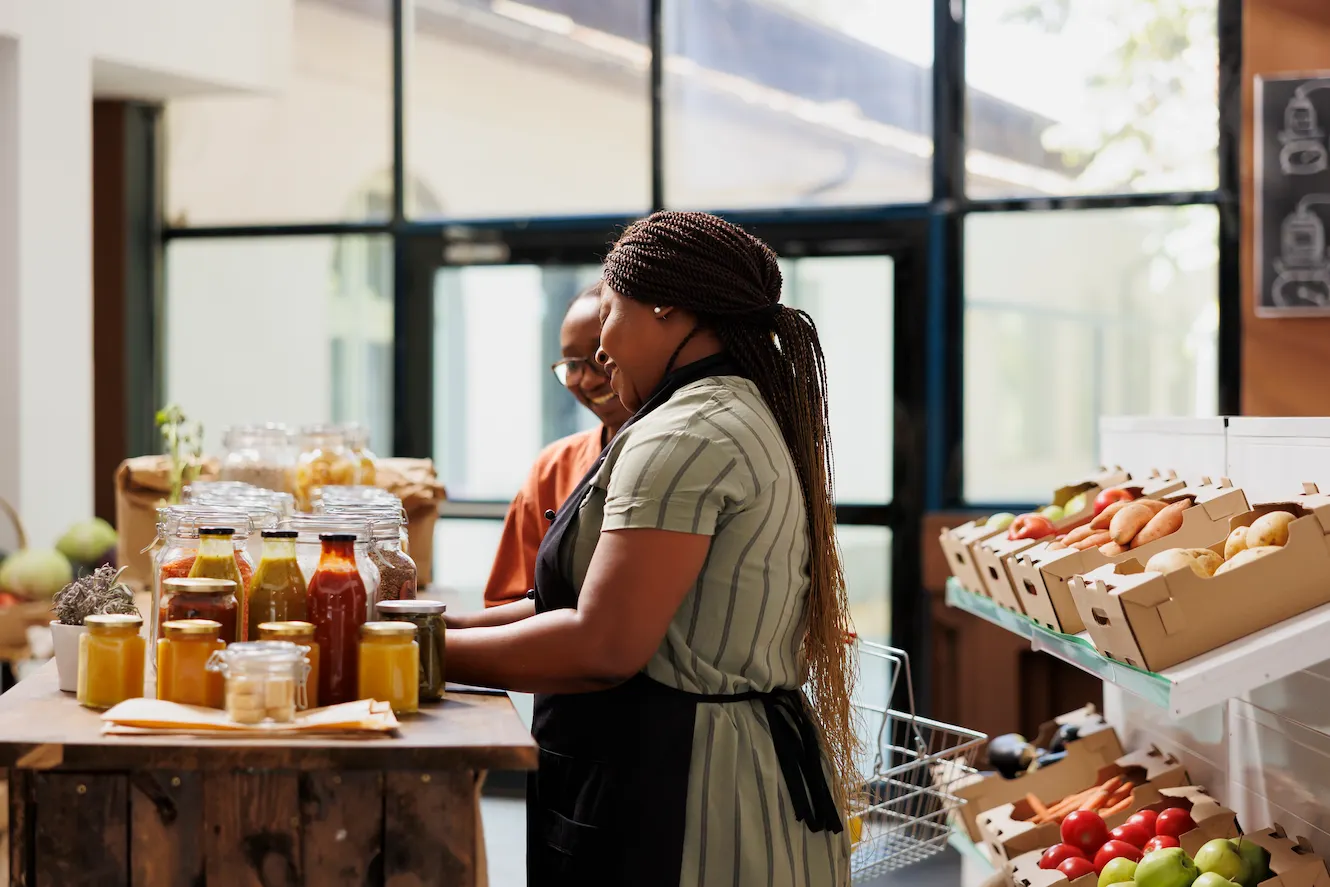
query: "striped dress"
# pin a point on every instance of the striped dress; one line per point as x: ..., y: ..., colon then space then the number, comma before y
x: 712, y: 461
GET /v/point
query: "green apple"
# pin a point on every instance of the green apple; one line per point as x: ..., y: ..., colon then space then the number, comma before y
x: 1212, y: 879
x: 999, y: 521
x: 1220, y: 857
x: 1053, y: 512
x: 1170, y: 867
x: 1257, y: 859
x: 1077, y: 504
x: 1118, y: 871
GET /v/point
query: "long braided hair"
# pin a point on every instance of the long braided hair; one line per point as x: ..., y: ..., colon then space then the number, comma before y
x: 731, y: 281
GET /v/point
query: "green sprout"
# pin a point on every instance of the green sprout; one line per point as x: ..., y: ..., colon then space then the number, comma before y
x: 184, y: 444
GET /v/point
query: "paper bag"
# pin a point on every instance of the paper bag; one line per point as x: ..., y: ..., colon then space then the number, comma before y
x: 416, y: 484
x: 142, y: 485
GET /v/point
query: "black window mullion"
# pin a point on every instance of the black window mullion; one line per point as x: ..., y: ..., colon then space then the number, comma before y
x: 1230, y: 220
x: 656, y: 11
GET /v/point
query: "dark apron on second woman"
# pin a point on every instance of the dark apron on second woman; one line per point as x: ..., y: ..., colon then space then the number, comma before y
x: 607, y: 805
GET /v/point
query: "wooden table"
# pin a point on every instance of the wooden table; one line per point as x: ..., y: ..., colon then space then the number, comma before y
x: 87, y: 809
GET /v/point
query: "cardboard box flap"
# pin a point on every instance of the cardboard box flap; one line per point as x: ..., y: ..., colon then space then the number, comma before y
x: 1311, y: 501
x: 1293, y: 862
x: 1152, y: 760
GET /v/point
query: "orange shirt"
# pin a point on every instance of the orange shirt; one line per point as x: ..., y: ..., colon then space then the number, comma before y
x: 556, y: 472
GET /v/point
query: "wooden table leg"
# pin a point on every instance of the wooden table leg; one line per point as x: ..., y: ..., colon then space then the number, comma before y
x: 430, y: 829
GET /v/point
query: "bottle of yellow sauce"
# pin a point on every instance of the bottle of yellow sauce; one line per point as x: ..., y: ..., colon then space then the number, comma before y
x: 302, y: 635
x: 111, y: 657
x: 182, y: 654
x: 390, y: 665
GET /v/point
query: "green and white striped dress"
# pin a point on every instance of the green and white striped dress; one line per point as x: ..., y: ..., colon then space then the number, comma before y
x: 711, y: 460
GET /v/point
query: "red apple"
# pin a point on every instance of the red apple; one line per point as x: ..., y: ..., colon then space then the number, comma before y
x: 1115, y: 850
x: 1057, y: 854
x: 1160, y: 842
x: 1109, y: 496
x: 1030, y: 526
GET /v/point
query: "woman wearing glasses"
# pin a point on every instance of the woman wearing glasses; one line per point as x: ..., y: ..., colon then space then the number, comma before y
x: 560, y: 466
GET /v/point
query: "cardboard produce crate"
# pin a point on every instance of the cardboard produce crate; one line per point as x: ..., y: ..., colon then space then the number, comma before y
x: 1293, y: 862
x: 1156, y: 620
x: 1213, y: 820
x: 1041, y: 575
x: 958, y: 545
x: 1097, y: 747
x: 1009, y: 832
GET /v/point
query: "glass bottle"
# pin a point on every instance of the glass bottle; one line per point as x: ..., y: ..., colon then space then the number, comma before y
x: 312, y: 528
x: 302, y: 635
x: 182, y: 657
x: 390, y: 665
x: 427, y: 616
x: 324, y: 459
x: 177, y: 547
x: 259, y: 455
x: 217, y: 559
x: 111, y: 654
x: 337, y: 604
x: 277, y: 592
x: 357, y: 442
x: 199, y: 598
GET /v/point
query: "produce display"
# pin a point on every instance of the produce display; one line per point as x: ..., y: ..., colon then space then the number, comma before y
x: 1111, y: 796
x: 1266, y: 535
x: 1125, y: 523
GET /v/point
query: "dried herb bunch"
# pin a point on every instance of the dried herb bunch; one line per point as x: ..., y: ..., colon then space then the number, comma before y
x: 98, y: 594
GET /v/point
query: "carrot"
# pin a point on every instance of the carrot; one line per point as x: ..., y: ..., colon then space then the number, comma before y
x: 1095, y: 801
x: 1111, y: 785
x: 1120, y: 794
x: 1040, y: 811
x: 1116, y: 808
x: 1067, y: 804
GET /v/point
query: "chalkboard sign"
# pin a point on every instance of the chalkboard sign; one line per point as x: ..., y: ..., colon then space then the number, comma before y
x: 1292, y: 195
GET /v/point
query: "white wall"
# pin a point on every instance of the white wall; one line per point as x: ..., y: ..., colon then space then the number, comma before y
x: 51, y: 53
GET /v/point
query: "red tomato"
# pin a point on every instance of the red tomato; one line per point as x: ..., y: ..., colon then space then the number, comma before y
x: 1174, y: 823
x: 1159, y: 842
x: 1146, y: 818
x: 7, y: 599
x: 1085, y: 830
x: 1114, y: 850
x: 1132, y: 833
x: 1108, y: 497
x: 1077, y: 867
x: 1057, y: 854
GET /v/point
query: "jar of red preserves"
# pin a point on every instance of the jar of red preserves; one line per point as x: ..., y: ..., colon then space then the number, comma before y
x: 337, y: 604
x: 199, y: 598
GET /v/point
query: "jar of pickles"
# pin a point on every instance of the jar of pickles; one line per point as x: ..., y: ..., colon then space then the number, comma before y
x: 200, y: 598
x: 182, y: 658
x: 302, y: 635
x: 111, y: 656
x: 324, y: 459
x: 357, y: 441
x: 427, y: 616
x: 260, y: 455
x: 390, y: 665
x: 265, y: 681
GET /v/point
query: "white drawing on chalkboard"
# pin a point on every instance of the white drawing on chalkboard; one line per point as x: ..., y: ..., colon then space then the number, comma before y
x: 1303, y: 267
x: 1304, y: 152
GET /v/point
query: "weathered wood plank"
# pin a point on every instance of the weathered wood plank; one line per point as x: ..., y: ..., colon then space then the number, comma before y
x: 20, y: 829
x: 342, y: 828
x: 252, y: 829
x: 166, y: 829
x: 80, y: 830
x: 429, y: 834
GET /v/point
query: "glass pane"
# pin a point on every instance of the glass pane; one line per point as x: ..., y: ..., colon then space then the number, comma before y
x: 867, y: 560
x: 496, y: 334
x: 538, y: 107
x: 850, y: 300
x: 797, y: 102
x: 1091, y: 96
x: 1074, y: 315
x: 281, y: 329
x: 463, y: 555
x: 320, y: 149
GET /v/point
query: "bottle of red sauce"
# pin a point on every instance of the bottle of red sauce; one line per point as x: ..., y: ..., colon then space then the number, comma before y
x: 337, y: 607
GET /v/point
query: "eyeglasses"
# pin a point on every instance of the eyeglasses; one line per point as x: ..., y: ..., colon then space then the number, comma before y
x: 572, y: 367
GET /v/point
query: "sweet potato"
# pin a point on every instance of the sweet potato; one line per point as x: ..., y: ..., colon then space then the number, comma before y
x: 1104, y: 518
x: 1094, y: 541
x: 1154, y: 505
x: 1078, y: 534
x: 1269, y: 529
x: 1057, y: 545
x: 1129, y: 521
x: 1111, y: 549
x: 1236, y: 541
x: 1162, y: 524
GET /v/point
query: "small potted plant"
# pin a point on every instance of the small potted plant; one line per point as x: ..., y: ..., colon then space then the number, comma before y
x: 100, y: 592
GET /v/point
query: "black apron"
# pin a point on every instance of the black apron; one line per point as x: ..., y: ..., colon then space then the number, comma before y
x: 607, y: 804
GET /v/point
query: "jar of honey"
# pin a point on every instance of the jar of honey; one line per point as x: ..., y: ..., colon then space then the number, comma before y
x: 302, y: 635
x: 111, y: 654
x: 390, y: 665
x: 182, y: 656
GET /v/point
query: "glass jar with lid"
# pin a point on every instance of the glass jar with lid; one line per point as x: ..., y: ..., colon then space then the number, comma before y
x: 427, y: 616
x: 337, y: 608
x: 396, y: 569
x: 390, y: 665
x: 357, y: 441
x: 201, y: 598
x: 111, y: 656
x: 182, y: 658
x: 177, y: 547
x: 324, y: 459
x: 302, y: 635
x: 265, y: 680
x: 260, y: 455
x: 310, y: 530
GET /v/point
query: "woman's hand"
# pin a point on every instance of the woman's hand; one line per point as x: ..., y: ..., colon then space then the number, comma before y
x: 634, y: 585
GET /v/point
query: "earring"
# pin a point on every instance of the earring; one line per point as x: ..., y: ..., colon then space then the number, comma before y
x: 656, y: 310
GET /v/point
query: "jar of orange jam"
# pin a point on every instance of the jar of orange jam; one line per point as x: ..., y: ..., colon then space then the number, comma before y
x: 302, y: 635
x: 390, y: 665
x: 183, y: 651
x: 111, y: 655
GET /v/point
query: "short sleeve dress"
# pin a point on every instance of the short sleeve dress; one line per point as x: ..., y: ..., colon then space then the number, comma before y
x: 712, y: 461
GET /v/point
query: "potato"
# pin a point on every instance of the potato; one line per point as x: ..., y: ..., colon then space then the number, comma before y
x: 1246, y: 556
x: 1111, y: 549
x: 1078, y: 534
x: 1236, y: 542
x: 1162, y: 524
x: 1094, y: 541
x: 1175, y: 559
x: 1103, y: 518
x: 1129, y: 521
x: 1269, y: 529
x: 1208, y: 559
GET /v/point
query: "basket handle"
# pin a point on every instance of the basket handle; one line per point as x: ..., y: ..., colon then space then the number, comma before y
x: 18, y: 524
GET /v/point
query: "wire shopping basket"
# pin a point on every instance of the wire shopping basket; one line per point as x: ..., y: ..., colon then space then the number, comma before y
x: 910, y: 765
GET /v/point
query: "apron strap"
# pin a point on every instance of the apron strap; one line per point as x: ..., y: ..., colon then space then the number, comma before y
x: 800, y: 759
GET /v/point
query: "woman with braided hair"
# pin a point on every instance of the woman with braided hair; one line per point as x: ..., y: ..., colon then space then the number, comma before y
x: 687, y: 592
